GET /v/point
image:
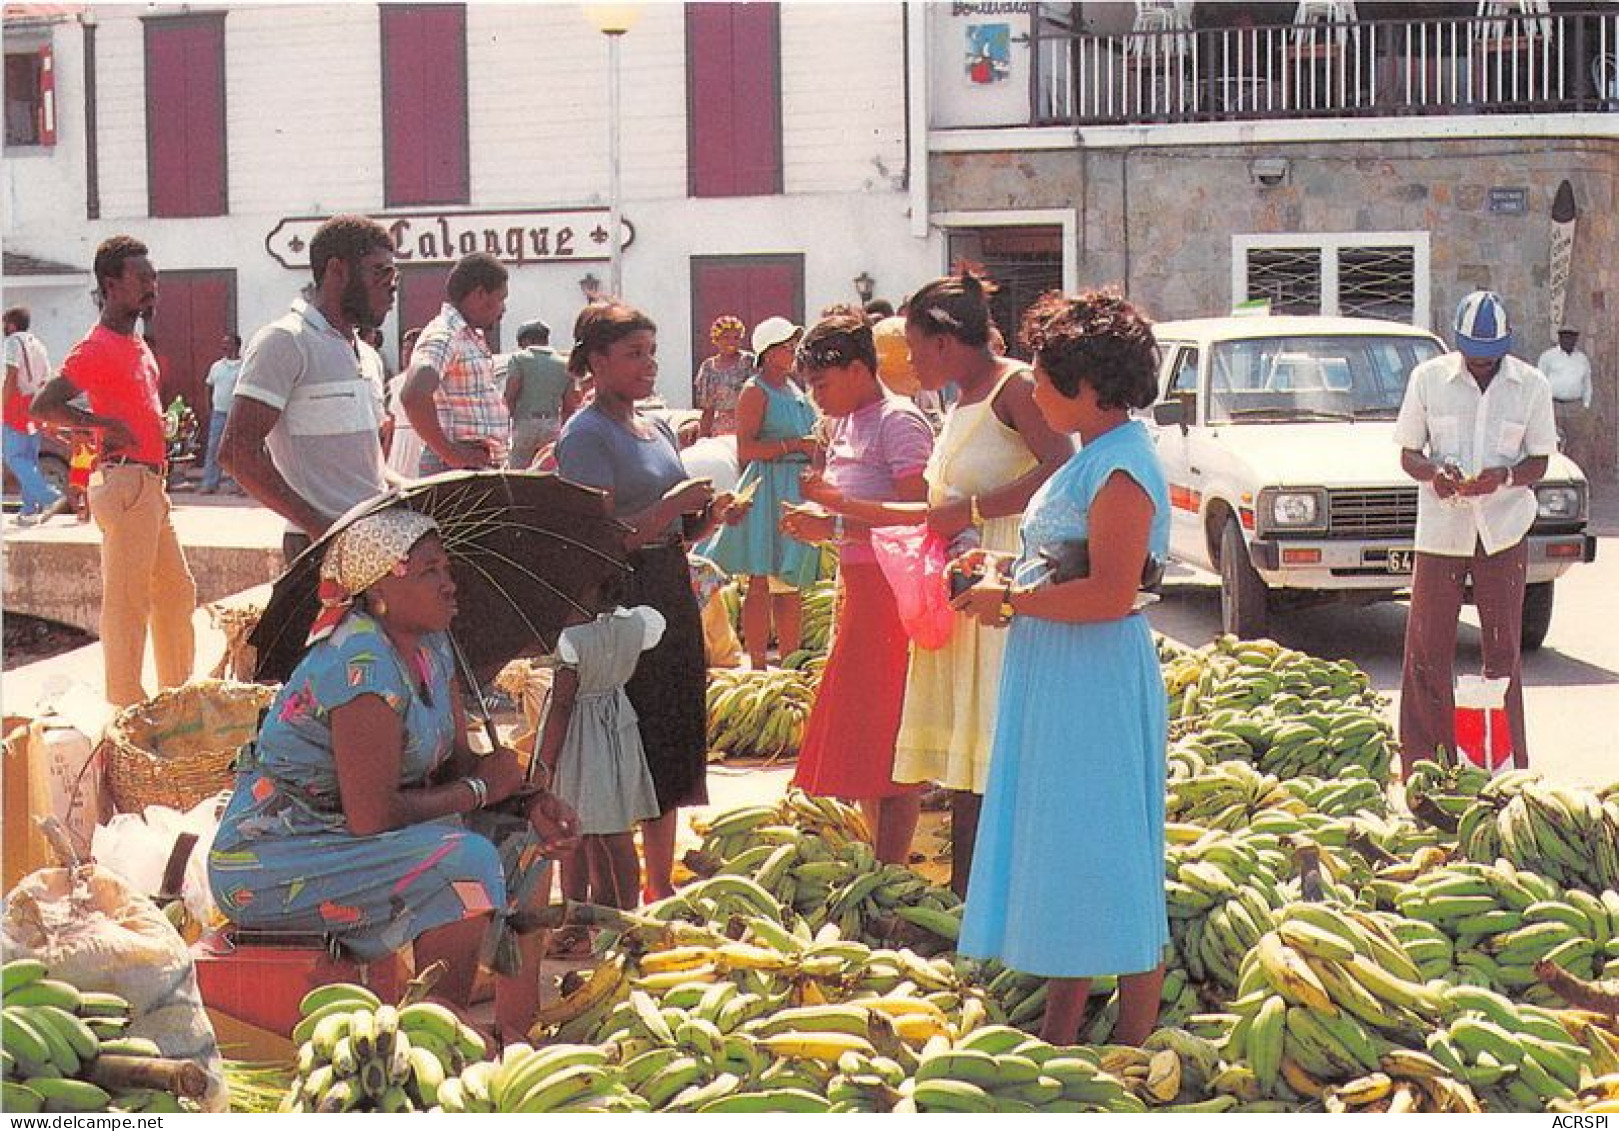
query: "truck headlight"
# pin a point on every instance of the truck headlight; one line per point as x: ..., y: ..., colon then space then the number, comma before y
x: 1560, y: 500
x: 1293, y: 510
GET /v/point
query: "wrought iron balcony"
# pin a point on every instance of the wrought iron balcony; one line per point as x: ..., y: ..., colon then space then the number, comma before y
x: 1567, y: 61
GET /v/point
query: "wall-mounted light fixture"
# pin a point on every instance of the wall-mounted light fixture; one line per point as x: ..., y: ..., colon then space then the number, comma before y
x: 865, y: 286
x: 1269, y: 171
x: 591, y: 286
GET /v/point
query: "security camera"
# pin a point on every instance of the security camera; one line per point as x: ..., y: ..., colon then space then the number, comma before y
x: 1269, y: 171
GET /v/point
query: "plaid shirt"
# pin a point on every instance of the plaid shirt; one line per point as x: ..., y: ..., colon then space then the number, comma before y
x: 468, y: 398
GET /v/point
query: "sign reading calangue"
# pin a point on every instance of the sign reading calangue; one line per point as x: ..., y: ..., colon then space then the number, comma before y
x: 515, y: 237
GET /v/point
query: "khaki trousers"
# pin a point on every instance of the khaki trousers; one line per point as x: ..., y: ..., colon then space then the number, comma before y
x: 1427, y: 689
x: 145, y: 582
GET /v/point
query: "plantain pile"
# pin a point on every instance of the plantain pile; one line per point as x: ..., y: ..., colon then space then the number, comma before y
x: 65, y: 1050
x: 757, y: 714
x: 357, y: 1054
x: 819, y: 605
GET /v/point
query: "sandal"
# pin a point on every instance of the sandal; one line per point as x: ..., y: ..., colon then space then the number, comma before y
x: 571, y: 943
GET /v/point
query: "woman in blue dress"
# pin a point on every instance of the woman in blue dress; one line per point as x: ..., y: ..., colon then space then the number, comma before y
x: 359, y: 810
x: 774, y: 421
x: 1068, y: 876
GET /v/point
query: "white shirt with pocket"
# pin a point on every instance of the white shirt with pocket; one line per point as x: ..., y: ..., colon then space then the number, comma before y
x: 1448, y: 419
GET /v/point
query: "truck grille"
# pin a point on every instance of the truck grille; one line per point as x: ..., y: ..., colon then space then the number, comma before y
x: 1381, y: 512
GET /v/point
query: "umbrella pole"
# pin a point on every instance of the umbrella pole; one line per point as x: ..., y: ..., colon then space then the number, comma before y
x: 481, y: 707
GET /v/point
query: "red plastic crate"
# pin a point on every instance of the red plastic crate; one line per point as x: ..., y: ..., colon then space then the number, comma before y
x: 262, y: 983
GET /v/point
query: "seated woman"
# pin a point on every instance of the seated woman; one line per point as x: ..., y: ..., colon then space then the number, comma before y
x: 347, y: 818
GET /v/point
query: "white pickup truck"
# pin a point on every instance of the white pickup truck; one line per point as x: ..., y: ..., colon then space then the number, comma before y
x: 1277, y: 436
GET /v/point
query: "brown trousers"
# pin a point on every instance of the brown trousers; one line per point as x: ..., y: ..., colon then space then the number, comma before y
x: 1427, y: 691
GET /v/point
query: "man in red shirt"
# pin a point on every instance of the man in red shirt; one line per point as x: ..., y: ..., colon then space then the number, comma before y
x: 145, y: 581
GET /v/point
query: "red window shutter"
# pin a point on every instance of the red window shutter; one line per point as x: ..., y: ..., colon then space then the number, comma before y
x: 733, y: 63
x: 47, y: 97
x: 424, y: 99
x: 185, y: 116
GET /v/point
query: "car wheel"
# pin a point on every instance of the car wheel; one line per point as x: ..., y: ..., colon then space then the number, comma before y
x: 1244, y: 600
x: 1537, y: 615
x: 55, y: 472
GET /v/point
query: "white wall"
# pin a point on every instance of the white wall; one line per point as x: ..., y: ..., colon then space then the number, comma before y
x: 304, y: 137
x: 955, y: 100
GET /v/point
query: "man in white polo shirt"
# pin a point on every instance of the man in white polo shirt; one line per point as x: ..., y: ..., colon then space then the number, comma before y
x: 304, y: 432
x: 1476, y: 432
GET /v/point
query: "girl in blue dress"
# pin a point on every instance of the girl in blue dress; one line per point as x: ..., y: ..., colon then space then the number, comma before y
x: 774, y: 421
x: 1068, y: 875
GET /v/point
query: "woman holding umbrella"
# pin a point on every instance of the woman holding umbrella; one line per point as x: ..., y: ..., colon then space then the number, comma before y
x: 611, y: 445
x: 360, y: 811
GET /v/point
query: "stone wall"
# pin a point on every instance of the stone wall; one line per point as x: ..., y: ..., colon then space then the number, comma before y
x: 1160, y: 221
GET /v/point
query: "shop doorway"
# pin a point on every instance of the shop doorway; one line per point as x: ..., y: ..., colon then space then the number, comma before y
x: 1024, y: 261
x: 195, y: 309
x: 752, y: 287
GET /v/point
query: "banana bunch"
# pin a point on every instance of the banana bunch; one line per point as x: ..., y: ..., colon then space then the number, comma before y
x: 1568, y: 835
x: 527, y: 1081
x: 357, y: 1054
x: 819, y: 605
x: 1226, y: 795
x: 1516, y: 1057
x: 1243, y: 674
x: 1499, y: 921
x: 1323, y: 998
x: 1350, y: 793
x: 1221, y: 892
x: 1444, y: 787
x: 1323, y: 739
x: 757, y: 714
x: 1001, y: 1069
x: 824, y: 818
x: 52, y: 1035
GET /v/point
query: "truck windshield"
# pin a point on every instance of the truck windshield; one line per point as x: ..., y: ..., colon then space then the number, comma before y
x: 1312, y: 378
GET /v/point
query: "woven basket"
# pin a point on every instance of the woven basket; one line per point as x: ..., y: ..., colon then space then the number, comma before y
x: 176, y: 748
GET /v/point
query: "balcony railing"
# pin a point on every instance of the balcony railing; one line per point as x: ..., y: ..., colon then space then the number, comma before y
x: 1566, y: 61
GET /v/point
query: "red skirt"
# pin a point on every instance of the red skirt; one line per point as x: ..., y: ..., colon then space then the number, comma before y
x: 848, y: 748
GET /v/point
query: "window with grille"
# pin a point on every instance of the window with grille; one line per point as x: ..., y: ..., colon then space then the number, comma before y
x: 1352, y: 274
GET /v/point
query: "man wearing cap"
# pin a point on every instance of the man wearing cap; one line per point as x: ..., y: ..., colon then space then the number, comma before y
x: 537, y: 384
x: 1475, y: 432
x: 1569, y: 371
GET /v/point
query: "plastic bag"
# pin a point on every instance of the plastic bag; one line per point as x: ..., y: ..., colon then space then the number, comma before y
x: 92, y: 929
x: 912, y: 559
x: 137, y: 846
x: 1483, y: 735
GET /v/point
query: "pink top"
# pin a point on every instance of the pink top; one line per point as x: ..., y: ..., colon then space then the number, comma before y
x: 868, y: 451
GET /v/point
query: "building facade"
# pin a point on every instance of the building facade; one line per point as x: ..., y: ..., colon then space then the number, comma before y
x: 1205, y: 155
x: 763, y: 154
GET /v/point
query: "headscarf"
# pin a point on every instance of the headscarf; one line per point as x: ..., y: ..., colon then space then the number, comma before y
x: 362, y: 554
x: 725, y: 324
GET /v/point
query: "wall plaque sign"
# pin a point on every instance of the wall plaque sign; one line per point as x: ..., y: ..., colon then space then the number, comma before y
x: 514, y: 237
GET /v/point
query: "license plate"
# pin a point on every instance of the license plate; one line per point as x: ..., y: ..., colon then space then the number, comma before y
x: 1400, y: 561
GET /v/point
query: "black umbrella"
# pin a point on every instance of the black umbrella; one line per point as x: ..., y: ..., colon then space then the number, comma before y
x: 525, y: 550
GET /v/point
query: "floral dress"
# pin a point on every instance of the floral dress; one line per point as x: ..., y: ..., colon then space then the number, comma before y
x: 283, y: 858
x: 718, y: 385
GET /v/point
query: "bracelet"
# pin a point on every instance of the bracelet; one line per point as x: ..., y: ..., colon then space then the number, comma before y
x: 973, y: 512
x: 837, y: 528
x: 480, y: 791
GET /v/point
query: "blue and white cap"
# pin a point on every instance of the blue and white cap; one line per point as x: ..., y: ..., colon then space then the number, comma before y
x: 1482, y: 329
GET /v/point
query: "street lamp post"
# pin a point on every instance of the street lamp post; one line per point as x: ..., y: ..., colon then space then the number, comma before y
x: 613, y: 21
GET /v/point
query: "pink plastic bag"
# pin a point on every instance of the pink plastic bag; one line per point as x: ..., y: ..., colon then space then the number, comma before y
x: 912, y: 559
